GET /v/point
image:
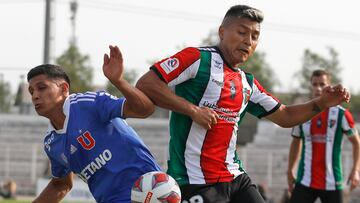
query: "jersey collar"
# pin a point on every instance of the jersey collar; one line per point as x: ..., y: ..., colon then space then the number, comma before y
x: 66, y: 110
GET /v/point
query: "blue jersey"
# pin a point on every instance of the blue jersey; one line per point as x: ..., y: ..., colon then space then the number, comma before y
x: 98, y: 146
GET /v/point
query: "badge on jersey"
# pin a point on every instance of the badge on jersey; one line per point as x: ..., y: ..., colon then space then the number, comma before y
x: 169, y: 65
x: 86, y: 140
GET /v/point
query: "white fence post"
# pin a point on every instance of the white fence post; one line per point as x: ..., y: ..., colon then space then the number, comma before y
x: 269, y: 168
x: 7, y: 162
x: 33, y: 163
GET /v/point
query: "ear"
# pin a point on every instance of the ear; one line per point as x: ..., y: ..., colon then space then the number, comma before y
x: 65, y: 88
x: 221, y: 32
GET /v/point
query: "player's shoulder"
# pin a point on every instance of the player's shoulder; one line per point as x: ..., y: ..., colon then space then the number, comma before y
x: 80, y: 97
x: 208, y: 49
x: 341, y: 108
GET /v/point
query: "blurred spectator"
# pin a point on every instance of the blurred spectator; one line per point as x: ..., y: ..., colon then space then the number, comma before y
x: 8, y: 189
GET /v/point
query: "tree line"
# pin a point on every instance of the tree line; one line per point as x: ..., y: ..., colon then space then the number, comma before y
x: 80, y: 71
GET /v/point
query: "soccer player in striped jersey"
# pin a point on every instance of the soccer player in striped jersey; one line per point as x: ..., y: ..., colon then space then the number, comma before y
x: 320, y: 140
x: 208, y: 95
x: 88, y: 135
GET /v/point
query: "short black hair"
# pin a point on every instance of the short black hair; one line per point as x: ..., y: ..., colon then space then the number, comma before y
x: 319, y: 73
x: 50, y: 70
x: 243, y: 11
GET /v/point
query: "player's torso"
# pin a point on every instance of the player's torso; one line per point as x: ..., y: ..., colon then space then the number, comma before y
x: 108, y: 156
x: 321, y: 157
x: 209, y: 154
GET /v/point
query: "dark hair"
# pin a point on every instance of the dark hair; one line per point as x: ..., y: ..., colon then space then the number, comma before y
x: 50, y: 70
x: 320, y: 72
x: 243, y: 11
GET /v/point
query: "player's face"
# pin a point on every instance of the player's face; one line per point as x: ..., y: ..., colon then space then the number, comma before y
x: 48, y: 95
x: 239, y: 39
x: 318, y: 84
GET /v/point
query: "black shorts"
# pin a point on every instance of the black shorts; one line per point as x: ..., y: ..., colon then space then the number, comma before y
x: 303, y: 194
x: 241, y: 189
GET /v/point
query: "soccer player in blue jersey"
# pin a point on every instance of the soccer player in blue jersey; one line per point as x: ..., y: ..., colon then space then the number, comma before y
x: 87, y: 134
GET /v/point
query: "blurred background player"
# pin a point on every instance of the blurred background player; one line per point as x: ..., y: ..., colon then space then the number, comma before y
x: 208, y: 95
x: 8, y: 189
x: 87, y: 134
x: 320, y: 142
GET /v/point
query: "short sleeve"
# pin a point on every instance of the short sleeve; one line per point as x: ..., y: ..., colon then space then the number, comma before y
x: 261, y: 102
x: 296, y: 132
x: 58, y: 170
x: 109, y: 106
x: 180, y: 67
x: 348, y: 124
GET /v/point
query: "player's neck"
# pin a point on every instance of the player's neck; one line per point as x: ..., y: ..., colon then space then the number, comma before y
x: 57, y: 119
x: 227, y: 58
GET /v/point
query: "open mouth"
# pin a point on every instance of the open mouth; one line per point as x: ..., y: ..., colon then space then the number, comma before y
x: 37, y: 106
x: 245, y: 51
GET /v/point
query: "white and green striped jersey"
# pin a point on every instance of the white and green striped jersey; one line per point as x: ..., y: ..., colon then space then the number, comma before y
x: 322, y: 138
x: 202, y: 77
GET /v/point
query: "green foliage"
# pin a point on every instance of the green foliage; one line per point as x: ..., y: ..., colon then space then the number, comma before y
x: 5, y: 96
x: 313, y: 61
x: 262, y: 71
x: 256, y: 64
x: 354, y: 106
x: 129, y: 75
x: 78, y: 68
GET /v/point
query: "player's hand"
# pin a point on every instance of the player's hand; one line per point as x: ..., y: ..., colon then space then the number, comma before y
x: 291, y: 180
x: 113, y: 67
x: 334, y: 95
x: 205, y: 117
x: 354, y: 179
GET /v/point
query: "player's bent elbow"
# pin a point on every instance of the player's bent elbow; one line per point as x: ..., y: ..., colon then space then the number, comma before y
x: 148, y: 111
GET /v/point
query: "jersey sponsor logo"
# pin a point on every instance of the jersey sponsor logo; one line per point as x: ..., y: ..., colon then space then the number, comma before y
x: 100, y: 161
x: 48, y: 142
x: 232, y: 89
x: 217, y: 64
x: 86, y: 140
x: 319, y: 138
x: 218, y: 83
x: 226, y: 114
x: 170, y: 64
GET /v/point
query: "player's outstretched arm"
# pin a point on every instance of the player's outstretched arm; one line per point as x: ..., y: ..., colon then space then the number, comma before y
x: 56, y: 190
x: 354, y: 176
x: 137, y: 104
x: 162, y: 96
x: 289, y: 116
x: 294, y: 153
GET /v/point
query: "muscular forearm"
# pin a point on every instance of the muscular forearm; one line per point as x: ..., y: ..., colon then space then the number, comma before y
x: 292, y: 115
x: 137, y: 102
x: 356, y: 150
x: 53, y: 193
x: 162, y: 96
x: 293, y: 154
